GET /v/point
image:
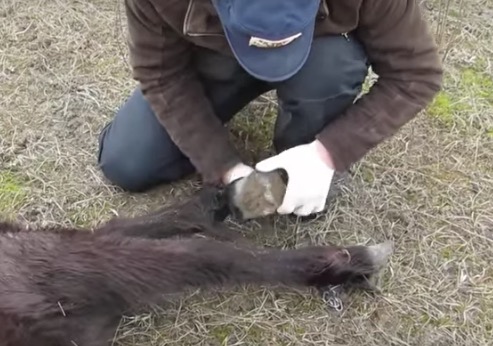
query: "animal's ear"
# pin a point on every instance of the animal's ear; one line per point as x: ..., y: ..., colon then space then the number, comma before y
x: 209, y: 195
x: 215, y: 200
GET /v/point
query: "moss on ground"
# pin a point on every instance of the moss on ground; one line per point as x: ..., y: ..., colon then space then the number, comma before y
x: 443, y: 108
x: 86, y: 216
x: 453, y: 107
x: 479, y: 84
x: 13, y: 192
x: 222, y: 333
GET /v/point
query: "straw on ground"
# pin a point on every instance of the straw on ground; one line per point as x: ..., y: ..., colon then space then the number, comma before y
x: 64, y: 72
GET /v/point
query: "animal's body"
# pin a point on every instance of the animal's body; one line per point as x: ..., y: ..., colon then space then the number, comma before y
x: 65, y: 287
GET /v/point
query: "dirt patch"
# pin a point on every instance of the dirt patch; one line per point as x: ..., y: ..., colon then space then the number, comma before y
x: 63, y: 73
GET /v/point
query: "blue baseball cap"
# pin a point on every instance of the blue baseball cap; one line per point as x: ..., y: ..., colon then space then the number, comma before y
x: 271, y: 39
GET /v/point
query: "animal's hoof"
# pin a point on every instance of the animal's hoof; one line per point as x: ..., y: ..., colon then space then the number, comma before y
x: 380, y: 253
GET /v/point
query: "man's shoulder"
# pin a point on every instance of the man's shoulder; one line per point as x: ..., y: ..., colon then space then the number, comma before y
x: 162, y: 13
x: 338, y: 17
x: 358, y: 12
x: 164, y: 6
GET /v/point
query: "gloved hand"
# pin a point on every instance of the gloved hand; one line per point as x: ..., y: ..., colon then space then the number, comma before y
x: 310, y: 174
x: 239, y: 171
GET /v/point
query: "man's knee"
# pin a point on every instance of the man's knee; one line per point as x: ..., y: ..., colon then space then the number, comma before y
x: 127, y: 172
x: 135, y: 151
x: 327, y: 84
x: 336, y: 67
x: 136, y: 166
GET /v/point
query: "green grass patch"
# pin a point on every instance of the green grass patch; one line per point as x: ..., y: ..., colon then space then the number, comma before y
x: 89, y: 215
x: 253, y: 131
x: 478, y: 84
x: 443, y: 108
x: 222, y: 333
x: 453, y: 251
x: 464, y: 100
x: 13, y: 192
x: 365, y: 172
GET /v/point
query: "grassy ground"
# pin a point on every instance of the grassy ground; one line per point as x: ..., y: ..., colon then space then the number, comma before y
x: 63, y: 73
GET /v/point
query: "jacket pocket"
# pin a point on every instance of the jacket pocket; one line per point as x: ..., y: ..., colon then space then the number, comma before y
x: 201, y: 19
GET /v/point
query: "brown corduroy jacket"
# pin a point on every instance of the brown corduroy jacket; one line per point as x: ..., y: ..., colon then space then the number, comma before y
x: 397, y: 40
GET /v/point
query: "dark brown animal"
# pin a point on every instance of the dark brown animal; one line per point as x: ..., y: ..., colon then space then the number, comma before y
x: 66, y: 287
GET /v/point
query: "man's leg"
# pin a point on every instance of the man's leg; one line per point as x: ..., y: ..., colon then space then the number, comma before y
x: 135, y: 151
x: 327, y: 84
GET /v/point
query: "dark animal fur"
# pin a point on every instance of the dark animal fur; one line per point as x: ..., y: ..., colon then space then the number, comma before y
x: 65, y: 287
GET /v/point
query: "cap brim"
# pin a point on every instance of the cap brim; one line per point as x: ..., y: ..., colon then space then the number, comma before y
x: 271, y: 64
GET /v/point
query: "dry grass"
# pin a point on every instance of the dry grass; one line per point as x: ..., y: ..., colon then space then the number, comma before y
x: 63, y: 74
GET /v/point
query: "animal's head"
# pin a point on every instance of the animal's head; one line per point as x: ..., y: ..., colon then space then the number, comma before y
x: 257, y: 195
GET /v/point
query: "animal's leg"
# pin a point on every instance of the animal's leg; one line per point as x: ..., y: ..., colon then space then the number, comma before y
x: 104, y: 277
x: 138, y: 270
x: 10, y: 227
x: 166, y: 226
x: 169, y: 226
x: 200, y: 214
x: 86, y: 328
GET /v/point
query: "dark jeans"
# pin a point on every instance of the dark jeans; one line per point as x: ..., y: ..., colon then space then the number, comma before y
x: 136, y: 152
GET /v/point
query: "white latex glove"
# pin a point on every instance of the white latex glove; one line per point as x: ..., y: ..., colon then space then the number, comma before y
x: 309, y: 174
x: 239, y: 171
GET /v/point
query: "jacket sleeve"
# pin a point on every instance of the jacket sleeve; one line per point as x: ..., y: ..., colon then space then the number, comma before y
x: 403, y: 54
x: 160, y: 60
